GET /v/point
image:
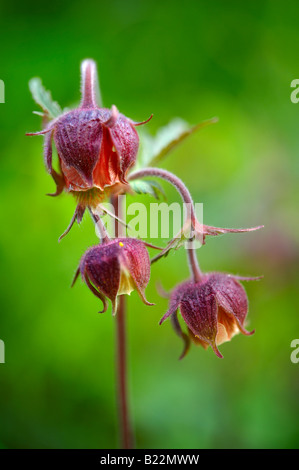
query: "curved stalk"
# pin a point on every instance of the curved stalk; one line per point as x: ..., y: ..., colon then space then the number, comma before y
x: 187, y: 199
x: 174, y: 181
x: 193, y: 265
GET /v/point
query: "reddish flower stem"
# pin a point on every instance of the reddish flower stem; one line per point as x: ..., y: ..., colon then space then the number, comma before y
x: 89, y: 81
x: 187, y: 199
x: 193, y: 265
x: 174, y: 181
x: 126, y: 435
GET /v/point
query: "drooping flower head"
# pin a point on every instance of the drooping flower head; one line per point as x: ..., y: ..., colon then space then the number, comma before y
x: 214, y: 310
x: 115, y: 268
x: 96, y: 146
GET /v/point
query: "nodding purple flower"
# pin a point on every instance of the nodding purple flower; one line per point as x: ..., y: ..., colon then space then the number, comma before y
x: 96, y: 146
x: 214, y: 310
x: 115, y: 268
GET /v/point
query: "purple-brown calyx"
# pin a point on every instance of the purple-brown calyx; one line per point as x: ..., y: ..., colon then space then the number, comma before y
x: 214, y: 310
x: 96, y: 146
x: 115, y: 268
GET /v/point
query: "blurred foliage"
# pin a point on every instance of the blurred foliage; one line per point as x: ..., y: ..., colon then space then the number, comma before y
x: 193, y: 60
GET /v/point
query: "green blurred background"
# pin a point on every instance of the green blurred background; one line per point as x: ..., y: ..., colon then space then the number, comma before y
x: 193, y: 59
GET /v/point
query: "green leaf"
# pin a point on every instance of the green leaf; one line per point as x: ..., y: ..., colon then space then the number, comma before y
x: 147, y: 187
x: 44, y: 99
x: 154, y: 149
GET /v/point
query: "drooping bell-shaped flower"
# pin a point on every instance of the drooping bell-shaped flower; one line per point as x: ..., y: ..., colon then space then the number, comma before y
x: 115, y: 268
x: 96, y: 146
x: 214, y: 310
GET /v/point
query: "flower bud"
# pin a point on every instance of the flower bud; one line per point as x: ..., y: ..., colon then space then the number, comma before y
x: 214, y: 310
x: 115, y: 268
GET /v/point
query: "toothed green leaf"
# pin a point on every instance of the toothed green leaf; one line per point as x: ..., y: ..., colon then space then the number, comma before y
x: 44, y: 99
x: 154, y: 149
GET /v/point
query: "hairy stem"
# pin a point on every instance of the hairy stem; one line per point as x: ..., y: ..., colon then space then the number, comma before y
x: 193, y: 265
x: 174, y: 181
x: 126, y: 435
x: 187, y: 199
x: 89, y: 84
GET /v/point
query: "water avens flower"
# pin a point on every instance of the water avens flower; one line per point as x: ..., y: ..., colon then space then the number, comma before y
x: 115, y: 268
x: 214, y: 309
x: 96, y: 147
